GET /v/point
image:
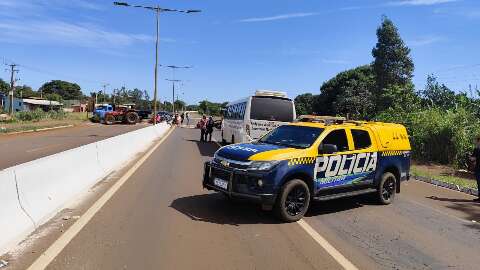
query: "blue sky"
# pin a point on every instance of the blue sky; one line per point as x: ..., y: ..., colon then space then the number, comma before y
x: 234, y: 46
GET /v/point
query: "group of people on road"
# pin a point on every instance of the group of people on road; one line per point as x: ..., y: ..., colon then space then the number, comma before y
x: 178, y: 119
x: 206, y: 128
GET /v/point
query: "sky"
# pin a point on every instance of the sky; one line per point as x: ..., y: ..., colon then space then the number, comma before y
x: 235, y: 47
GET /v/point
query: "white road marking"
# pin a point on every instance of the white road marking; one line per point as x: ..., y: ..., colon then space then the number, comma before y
x: 336, y: 255
x: 49, y: 255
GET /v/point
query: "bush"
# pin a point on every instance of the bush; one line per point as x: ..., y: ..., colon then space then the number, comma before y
x: 436, y: 135
x: 37, y: 115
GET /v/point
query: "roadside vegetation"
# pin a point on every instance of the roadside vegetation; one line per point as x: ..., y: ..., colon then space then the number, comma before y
x: 442, y: 123
x: 22, y: 121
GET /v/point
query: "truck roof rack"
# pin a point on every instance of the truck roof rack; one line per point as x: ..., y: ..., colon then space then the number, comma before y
x: 328, y: 120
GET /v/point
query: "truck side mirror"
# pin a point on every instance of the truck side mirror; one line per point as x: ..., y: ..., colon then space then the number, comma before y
x: 327, y: 149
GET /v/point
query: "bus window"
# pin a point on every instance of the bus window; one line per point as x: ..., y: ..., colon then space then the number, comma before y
x: 271, y: 109
x: 236, y: 111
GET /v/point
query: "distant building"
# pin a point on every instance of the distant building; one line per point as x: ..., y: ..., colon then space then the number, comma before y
x: 74, y: 105
x: 31, y: 104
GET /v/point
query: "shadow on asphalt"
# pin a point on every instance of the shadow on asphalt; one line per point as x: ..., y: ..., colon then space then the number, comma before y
x: 469, y: 207
x: 216, y: 208
x: 319, y: 208
x: 207, y: 149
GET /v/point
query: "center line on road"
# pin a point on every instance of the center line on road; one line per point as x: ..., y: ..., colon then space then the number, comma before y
x: 49, y: 255
x: 336, y: 255
x: 344, y: 262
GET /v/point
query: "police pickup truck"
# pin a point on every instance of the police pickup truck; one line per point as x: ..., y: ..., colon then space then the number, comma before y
x: 316, y: 160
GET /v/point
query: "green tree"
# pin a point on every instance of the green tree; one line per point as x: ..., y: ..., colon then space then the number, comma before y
x: 4, y: 87
x: 66, y: 90
x: 304, y: 104
x: 393, y: 65
x: 180, y: 105
x: 436, y: 94
x: 349, y: 92
x: 25, y: 91
x: 54, y: 97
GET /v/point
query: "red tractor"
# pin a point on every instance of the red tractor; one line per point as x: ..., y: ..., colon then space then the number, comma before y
x: 122, y: 115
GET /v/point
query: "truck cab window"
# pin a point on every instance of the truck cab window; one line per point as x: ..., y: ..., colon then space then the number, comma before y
x: 361, y: 139
x: 339, y: 138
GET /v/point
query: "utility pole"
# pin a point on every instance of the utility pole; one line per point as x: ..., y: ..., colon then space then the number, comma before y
x: 12, y: 86
x: 157, y: 10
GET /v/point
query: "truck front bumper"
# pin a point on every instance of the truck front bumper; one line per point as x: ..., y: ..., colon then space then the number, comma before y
x: 241, y: 184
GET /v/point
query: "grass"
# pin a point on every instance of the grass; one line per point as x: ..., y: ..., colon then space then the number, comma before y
x: 17, y: 125
x: 460, y: 181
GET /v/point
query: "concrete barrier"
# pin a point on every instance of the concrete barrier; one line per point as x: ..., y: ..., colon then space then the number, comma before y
x: 31, y: 193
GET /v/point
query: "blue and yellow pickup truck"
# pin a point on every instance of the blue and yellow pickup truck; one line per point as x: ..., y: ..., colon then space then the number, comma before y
x: 316, y: 160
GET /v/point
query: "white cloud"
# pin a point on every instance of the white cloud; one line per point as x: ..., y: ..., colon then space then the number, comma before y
x: 279, y: 17
x: 426, y: 40
x: 420, y: 2
x: 63, y: 33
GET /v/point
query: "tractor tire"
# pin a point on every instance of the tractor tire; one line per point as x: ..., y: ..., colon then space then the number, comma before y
x: 109, y: 119
x: 131, y: 118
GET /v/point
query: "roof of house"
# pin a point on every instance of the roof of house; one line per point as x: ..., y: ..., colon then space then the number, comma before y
x: 41, y: 102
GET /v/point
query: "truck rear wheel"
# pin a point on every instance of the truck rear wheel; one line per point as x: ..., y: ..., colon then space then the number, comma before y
x: 387, y: 188
x: 109, y: 119
x: 131, y: 118
x: 293, y: 201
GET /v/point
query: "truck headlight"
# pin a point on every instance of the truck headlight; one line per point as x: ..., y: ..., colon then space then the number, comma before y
x: 263, y: 165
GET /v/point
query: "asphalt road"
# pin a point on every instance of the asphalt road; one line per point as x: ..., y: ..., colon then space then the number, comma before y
x: 161, y: 218
x: 20, y: 148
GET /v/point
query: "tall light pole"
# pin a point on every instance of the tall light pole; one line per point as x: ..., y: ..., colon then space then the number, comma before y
x: 173, y: 80
x: 157, y: 9
x: 173, y: 93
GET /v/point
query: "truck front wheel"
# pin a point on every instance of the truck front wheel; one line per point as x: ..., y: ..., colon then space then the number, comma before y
x: 109, y: 119
x: 293, y: 201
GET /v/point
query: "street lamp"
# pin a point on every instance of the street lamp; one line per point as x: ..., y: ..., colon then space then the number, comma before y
x: 157, y: 9
x: 173, y: 92
x: 173, y: 80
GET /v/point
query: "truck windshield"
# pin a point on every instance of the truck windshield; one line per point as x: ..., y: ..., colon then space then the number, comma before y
x: 292, y: 136
x: 272, y: 109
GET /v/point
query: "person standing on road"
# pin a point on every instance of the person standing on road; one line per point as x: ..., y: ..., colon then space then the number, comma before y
x: 210, y: 124
x: 182, y: 116
x: 475, y: 157
x: 187, y: 115
x: 202, y: 125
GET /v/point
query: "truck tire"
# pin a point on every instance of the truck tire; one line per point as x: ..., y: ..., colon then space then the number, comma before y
x: 387, y: 188
x: 109, y: 119
x: 293, y: 201
x: 131, y: 118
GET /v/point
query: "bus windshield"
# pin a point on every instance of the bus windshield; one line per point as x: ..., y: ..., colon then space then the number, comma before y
x: 272, y: 109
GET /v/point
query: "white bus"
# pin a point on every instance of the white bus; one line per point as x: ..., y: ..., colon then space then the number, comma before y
x: 250, y: 118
